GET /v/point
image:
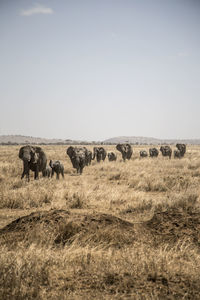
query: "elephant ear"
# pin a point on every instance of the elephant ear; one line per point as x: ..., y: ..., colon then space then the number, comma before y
x: 70, y: 151
x: 119, y: 147
x: 128, y: 146
x: 21, y: 152
x: 38, y: 149
x: 42, y: 159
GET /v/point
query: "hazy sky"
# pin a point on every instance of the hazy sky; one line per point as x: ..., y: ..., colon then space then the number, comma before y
x: 94, y: 69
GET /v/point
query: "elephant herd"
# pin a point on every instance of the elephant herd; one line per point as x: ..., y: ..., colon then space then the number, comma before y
x: 35, y: 159
x: 166, y: 151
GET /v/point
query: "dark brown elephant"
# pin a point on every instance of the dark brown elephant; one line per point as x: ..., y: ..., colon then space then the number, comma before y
x: 57, y: 168
x: 181, y: 148
x: 112, y: 156
x: 177, y: 154
x: 34, y: 159
x: 153, y: 152
x: 88, y: 156
x: 166, y: 151
x: 99, y: 153
x: 78, y: 158
x: 143, y: 153
x: 126, y: 150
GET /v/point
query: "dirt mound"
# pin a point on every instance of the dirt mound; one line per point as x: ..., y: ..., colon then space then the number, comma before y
x: 174, y: 224
x: 48, y: 217
x: 60, y: 227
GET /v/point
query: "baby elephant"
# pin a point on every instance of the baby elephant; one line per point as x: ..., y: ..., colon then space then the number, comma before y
x: 112, y: 156
x: 143, y: 153
x: 56, y: 167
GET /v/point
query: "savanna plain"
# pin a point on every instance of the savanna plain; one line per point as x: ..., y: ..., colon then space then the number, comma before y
x: 121, y: 230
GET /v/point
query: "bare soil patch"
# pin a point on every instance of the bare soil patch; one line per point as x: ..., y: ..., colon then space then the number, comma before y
x: 173, y: 224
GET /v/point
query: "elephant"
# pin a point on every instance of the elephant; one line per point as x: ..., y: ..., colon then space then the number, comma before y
x: 56, y: 167
x: 177, y: 154
x: 88, y: 156
x: 153, y: 152
x: 112, y: 156
x: 181, y: 148
x: 99, y: 153
x: 166, y: 151
x: 143, y: 153
x: 78, y: 158
x: 47, y: 172
x: 34, y: 159
x: 126, y: 150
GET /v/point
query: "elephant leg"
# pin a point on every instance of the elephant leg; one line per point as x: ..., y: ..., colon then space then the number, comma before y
x: 36, y: 173
x: 62, y: 173
x: 26, y: 170
x: 52, y: 172
x: 23, y: 175
x: 28, y: 175
x: 57, y: 175
x: 81, y: 169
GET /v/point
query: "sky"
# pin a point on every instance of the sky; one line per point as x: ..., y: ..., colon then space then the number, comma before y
x: 96, y: 69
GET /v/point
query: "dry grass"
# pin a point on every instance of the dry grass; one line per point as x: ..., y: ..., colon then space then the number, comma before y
x: 119, y: 231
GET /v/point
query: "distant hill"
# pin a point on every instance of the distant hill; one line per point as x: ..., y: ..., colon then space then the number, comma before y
x: 140, y: 140
x: 22, y: 140
x: 135, y: 140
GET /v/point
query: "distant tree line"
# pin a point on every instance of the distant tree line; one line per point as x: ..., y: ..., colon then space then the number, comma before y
x: 70, y: 142
x: 56, y: 143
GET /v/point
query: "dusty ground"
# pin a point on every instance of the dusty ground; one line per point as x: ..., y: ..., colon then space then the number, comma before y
x: 120, y: 231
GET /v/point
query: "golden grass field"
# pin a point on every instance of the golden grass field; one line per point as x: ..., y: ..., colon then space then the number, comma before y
x: 119, y: 231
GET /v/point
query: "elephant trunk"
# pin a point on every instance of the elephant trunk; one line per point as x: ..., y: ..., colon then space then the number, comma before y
x: 26, y: 157
x: 26, y: 169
